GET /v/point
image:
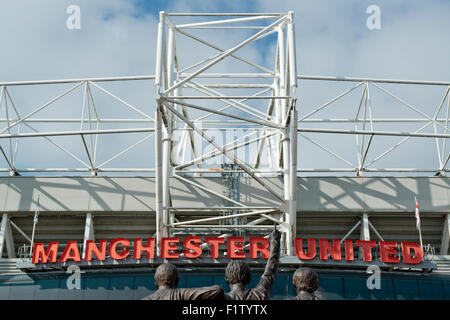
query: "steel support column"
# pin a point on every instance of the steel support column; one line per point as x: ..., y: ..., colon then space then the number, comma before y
x: 292, y: 204
x: 159, y: 180
x: 6, y: 238
x: 445, y: 235
x: 288, y: 88
x: 365, y: 232
x: 89, y: 233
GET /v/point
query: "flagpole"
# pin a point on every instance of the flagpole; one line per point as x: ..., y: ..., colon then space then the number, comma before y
x: 418, y: 223
x: 34, y: 227
x: 420, y: 237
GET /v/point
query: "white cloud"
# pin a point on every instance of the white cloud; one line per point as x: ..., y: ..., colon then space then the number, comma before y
x: 116, y: 39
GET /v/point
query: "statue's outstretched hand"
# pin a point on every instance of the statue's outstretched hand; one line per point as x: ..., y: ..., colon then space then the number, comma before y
x: 276, y: 235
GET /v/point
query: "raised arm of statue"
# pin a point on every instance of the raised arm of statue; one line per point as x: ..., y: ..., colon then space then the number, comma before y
x: 203, y: 293
x: 265, y: 284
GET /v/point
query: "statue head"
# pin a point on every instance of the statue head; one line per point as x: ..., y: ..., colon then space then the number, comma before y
x: 166, y: 275
x: 305, y: 279
x: 237, y: 272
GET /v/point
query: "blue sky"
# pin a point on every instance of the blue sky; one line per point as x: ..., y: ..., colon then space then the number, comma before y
x: 332, y: 37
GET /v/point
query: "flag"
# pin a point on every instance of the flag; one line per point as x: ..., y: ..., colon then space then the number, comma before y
x: 36, y: 214
x: 417, y: 215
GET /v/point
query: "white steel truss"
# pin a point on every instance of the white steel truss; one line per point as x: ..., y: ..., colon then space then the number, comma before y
x: 175, y: 107
x: 221, y: 92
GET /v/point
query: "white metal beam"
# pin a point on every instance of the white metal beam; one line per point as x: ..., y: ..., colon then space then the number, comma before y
x: 246, y: 214
x: 208, y: 190
x: 375, y: 230
x: 216, y: 22
x: 89, y: 233
x: 20, y: 231
x: 375, y: 133
x: 350, y: 231
x: 331, y: 101
x: 364, y: 232
x: 213, y: 154
x: 6, y: 238
x: 230, y: 115
x: 409, y: 106
x: 224, y: 55
x: 207, y: 43
x: 232, y: 158
x: 445, y: 235
x: 373, y: 80
x: 292, y: 204
x: 75, y: 133
x: 41, y: 107
x: 159, y: 179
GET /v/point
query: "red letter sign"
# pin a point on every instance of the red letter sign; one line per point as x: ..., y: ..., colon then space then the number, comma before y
x: 232, y: 246
x: 50, y: 253
x: 139, y: 247
x: 112, y: 249
x: 214, y: 245
x: 335, y: 250
x: 366, y: 245
x: 192, y: 243
x: 349, y: 255
x: 70, y: 252
x: 259, y: 244
x: 91, y: 248
x: 418, y: 253
x: 168, y: 244
x: 311, y: 249
x: 388, y: 250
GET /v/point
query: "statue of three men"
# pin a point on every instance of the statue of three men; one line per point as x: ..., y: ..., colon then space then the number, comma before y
x: 237, y: 275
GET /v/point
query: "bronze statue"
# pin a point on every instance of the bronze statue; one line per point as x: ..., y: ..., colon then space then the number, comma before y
x: 166, y: 280
x: 306, y: 282
x: 237, y: 275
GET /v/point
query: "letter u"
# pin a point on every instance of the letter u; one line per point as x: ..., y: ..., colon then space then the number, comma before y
x: 311, y: 249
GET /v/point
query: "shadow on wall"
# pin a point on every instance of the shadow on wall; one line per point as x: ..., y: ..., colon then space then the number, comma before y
x: 386, y: 194
x: 138, y: 193
x: 66, y: 194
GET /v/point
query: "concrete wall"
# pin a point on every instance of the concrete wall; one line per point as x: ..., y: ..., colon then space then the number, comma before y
x: 137, y: 194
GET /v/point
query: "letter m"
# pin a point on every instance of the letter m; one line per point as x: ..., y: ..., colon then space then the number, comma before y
x: 49, y: 255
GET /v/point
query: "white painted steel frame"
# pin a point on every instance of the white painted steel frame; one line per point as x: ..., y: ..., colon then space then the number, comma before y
x: 280, y: 126
x: 6, y: 238
x: 365, y: 108
x: 172, y: 105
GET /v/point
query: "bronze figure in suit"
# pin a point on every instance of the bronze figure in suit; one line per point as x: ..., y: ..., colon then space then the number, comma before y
x: 237, y: 275
x: 166, y: 280
x: 306, y: 283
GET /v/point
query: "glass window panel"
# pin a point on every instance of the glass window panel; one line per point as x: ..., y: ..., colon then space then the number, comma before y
x: 4, y: 291
x: 386, y: 291
x: 331, y: 288
x: 196, y: 280
x: 97, y: 288
x: 280, y: 288
x: 356, y: 288
x: 446, y: 286
x: 22, y: 291
x: 71, y: 294
x: 406, y: 289
x: 46, y: 289
x: 144, y: 285
x: 431, y: 289
x: 121, y: 288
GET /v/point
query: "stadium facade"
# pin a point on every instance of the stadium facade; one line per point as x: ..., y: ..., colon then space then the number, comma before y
x: 181, y: 194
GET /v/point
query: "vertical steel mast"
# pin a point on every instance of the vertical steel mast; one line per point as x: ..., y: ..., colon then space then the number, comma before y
x: 276, y: 125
